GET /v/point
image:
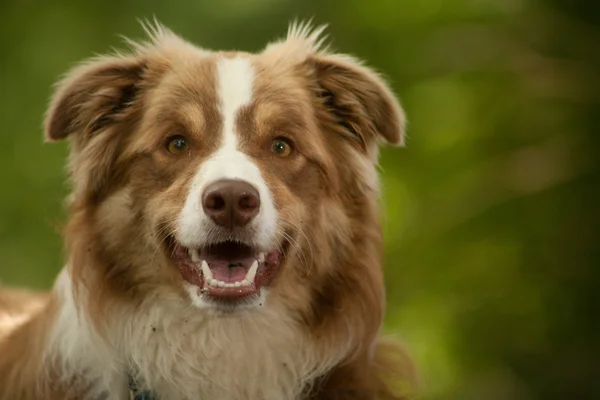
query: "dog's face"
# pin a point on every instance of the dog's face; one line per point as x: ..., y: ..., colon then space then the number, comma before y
x: 229, y: 178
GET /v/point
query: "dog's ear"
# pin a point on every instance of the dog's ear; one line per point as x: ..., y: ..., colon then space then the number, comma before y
x: 93, y: 96
x: 359, y: 101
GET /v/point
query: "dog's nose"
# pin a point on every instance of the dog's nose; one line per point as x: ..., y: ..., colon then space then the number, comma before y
x: 231, y: 203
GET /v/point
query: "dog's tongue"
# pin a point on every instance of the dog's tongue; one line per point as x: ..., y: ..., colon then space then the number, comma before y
x: 229, y: 263
x: 228, y: 272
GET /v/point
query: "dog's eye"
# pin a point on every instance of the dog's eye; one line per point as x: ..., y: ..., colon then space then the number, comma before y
x: 177, y: 145
x: 281, y: 147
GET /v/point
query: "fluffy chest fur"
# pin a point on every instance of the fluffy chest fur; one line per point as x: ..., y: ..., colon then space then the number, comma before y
x: 184, y: 353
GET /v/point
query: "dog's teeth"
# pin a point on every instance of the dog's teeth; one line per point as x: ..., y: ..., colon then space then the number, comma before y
x: 229, y: 285
x: 252, y: 272
x: 237, y: 284
x: 214, y: 282
x: 261, y: 257
x: 206, y: 271
x: 221, y: 284
x: 245, y: 282
x: 194, y: 254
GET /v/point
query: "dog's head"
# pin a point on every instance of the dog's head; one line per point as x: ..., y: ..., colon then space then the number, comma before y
x: 230, y: 178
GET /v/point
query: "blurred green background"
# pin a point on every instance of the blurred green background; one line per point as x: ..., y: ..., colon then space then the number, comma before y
x: 492, y: 210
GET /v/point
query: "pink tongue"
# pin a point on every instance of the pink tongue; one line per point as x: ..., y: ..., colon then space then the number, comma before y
x: 227, y: 274
x: 228, y: 262
x: 229, y: 271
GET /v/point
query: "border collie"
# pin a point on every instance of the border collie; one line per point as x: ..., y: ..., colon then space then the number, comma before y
x: 223, y: 239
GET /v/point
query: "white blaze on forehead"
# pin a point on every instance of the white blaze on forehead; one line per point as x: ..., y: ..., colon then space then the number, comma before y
x: 234, y: 84
x: 235, y: 81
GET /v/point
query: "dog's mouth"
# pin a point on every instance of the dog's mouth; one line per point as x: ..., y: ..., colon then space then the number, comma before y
x: 227, y: 270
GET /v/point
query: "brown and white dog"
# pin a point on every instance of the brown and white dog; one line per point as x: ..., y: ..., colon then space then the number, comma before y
x: 223, y: 237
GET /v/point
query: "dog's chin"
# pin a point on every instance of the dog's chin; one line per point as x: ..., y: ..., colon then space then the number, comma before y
x: 226, y: 276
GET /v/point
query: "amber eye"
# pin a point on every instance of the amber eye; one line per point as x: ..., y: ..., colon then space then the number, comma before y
x: 177, y: 145
x: 281, y: 148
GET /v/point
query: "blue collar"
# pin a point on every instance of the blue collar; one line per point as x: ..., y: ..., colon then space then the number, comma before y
x: 137, y: 394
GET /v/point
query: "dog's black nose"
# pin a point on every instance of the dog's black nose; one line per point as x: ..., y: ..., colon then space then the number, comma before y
x: 231, y: 203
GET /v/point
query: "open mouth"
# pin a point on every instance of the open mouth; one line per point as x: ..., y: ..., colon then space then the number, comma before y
x: 227, y: 270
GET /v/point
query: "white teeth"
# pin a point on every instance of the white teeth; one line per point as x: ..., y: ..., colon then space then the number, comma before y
x: 206, y: 271
x: 221, y: 284
x: 252, y: 271
x: 212, y: 282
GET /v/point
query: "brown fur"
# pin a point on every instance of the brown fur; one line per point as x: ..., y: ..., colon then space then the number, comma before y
x: 119, y: 111
x: 24, y: 320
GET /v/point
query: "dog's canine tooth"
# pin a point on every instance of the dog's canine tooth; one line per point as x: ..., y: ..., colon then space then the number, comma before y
x: 252, y: 272
x: 194, y: 254
x: 206, y: 271
x: 261, y: 257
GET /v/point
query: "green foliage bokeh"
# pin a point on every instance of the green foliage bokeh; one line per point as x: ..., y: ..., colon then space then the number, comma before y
x: 491, y: 211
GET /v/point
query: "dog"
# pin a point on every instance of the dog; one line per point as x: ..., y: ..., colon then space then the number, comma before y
x: 223, y: 239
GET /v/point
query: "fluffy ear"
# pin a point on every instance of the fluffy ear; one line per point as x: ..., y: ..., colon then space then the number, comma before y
x: 92, y: 96
x: 360, y: 102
